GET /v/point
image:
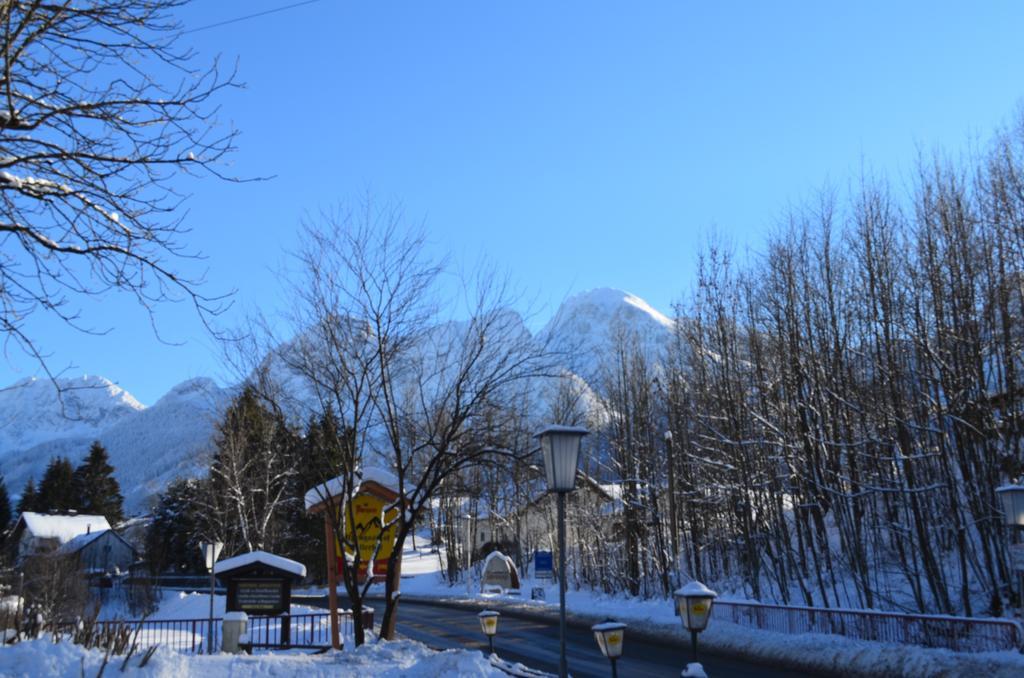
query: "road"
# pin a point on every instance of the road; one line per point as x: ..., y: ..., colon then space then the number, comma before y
x: 535, y: 644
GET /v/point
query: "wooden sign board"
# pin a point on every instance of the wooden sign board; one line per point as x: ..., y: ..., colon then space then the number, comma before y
x: 368, y: 522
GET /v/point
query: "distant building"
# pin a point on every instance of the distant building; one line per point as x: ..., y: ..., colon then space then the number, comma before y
x: 100, y: 553
x: 41, y: 533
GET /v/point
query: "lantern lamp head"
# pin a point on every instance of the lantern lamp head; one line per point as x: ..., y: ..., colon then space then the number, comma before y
x: 489, y: 622
x: 694, y: 602
x: 610, y: 635
x: 1012, y: 499
x: 211, y: 553
x: 560, y: 446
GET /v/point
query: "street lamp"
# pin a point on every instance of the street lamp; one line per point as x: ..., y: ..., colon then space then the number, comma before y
x: 489, y: 625
x: 609, y: 635
x: 1012, y: 498
x: 560, y: 446
x: 694, y: 603
x: 211, y: 552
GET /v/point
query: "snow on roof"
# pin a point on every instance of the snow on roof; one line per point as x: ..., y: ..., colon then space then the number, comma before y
x: 335, y: 487
x: 696, y: 588
x: 62, y: 527
x: 498, y: 555
x: 269, y: 559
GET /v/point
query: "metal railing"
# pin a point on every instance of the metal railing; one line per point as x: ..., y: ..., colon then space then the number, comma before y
x: 189, y: 635
x: 961, y: 634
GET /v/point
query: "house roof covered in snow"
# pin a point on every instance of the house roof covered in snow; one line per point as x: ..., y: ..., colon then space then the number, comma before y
x: 262, y: 557
x: 62, y: 527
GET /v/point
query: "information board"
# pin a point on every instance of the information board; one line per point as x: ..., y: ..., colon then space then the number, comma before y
x: 256, y: 596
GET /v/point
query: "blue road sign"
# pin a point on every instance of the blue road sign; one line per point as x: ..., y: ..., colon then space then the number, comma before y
x: 543, y: 564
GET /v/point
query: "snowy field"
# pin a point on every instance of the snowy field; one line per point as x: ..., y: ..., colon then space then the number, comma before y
x: 400, y: 658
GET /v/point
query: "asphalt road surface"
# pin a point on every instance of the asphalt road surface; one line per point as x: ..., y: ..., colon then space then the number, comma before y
x: 535, y: 644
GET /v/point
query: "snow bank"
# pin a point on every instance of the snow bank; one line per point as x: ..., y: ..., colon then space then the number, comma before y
x: 389, y: 660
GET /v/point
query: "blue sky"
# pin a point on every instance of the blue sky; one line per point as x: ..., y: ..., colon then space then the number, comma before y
x: 575, y: 144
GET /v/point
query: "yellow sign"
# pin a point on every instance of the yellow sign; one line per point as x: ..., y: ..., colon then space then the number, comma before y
x: 365, y: 523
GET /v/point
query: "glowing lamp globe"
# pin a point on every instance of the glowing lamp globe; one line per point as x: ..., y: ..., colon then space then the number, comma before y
x: 610, y: 635
x: 694, y: 602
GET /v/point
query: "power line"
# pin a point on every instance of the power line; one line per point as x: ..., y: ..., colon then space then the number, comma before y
x: 250, y: 16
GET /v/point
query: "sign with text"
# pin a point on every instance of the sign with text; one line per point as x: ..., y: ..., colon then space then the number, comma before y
x: 366, y: 523
x: 260, y: 597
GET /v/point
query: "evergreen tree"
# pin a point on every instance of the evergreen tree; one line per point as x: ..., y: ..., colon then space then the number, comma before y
x: 57, y: 488
x: 172, y: 539
x: 29, y: 500
x: 96, y: 490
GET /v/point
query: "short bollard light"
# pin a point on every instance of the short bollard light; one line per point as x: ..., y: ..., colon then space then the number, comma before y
x: 610, y: 635
x: 694, y: 602
x: 489, y: 625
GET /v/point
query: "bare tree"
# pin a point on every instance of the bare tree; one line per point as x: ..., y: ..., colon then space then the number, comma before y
x: 422, y: 382
x: 100, y: 108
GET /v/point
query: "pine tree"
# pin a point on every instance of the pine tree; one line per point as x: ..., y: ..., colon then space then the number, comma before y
x: 172, y: 539
x: 57, y: 488
x: 97, y: 492
x: 29, y: 500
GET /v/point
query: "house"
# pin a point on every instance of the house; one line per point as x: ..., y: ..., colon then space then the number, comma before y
x: 103, y: 552
x: 41, y: 533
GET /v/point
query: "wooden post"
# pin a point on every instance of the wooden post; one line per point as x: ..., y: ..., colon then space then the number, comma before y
x: 332, y: 580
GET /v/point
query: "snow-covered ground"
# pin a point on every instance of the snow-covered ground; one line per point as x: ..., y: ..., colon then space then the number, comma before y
x: 43, y: 657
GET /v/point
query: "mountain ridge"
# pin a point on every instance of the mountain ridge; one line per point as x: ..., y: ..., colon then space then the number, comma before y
x: 151, y: 446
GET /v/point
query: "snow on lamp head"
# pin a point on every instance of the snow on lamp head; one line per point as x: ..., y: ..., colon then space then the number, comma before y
x: 560, y: 446
x: 610, y: 635
x: 694, y: 602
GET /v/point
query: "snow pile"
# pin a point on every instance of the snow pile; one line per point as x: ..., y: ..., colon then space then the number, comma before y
x: 389, y: 660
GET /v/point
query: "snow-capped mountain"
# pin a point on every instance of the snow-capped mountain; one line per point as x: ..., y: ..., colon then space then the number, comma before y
x: 589, y: 325
x: 31, y: 411
x: 148, y: 446
x: 151, y: 446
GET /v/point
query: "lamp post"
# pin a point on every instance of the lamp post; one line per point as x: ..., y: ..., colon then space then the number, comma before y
x: 560, y: 446
x: 211, y: 552
x: 489, y: 625
x: 694, y: 602
x: 1012, y: 499
x: 609, y: 635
